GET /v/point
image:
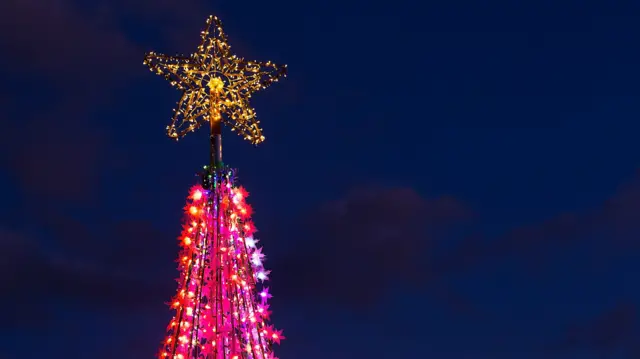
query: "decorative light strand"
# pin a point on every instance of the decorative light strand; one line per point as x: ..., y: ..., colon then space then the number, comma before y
x: 221, y: 307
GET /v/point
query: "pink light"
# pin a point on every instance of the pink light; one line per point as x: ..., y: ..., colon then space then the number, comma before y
x: 202, y: 327
x: 197, y: 195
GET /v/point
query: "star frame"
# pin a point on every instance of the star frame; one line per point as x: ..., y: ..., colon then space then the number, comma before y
x: 216, y: 85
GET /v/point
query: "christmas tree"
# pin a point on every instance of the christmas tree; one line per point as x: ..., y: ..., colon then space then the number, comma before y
x: 221, y: 309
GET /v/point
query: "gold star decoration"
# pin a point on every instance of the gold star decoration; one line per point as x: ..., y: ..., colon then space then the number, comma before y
x: 216, y: 85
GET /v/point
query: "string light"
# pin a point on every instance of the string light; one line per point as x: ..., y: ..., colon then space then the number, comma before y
x: 221, y: 308
x: 216, y: 85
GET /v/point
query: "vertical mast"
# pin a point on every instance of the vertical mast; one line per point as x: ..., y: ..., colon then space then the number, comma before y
x: 215, y: 132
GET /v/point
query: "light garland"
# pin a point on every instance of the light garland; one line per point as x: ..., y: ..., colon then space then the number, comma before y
x: 217, y: 85
x: 222, y: 308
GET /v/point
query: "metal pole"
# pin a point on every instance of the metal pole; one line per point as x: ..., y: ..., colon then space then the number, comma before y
x: 215, y: 139
x: 215, y: 172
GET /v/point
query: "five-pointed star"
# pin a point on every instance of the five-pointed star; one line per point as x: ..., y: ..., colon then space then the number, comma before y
x: 217, y: 85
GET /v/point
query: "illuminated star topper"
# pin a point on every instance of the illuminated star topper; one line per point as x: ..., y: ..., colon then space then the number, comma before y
x: 217, y: 85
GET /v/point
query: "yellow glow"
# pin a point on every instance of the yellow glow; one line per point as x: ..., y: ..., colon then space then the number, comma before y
x: 217, y: 85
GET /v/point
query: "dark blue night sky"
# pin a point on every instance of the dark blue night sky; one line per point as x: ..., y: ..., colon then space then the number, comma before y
x: 453, y: 179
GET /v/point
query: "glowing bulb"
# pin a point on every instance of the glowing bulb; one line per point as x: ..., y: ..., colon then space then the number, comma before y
x: 216, y: 84
x: 251, y: 243
x: 255, y: 259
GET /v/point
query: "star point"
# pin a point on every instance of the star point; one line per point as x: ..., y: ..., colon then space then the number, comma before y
x: 216, y: 85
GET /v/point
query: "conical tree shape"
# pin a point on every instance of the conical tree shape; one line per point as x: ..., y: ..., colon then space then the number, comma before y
x: 221, y: 309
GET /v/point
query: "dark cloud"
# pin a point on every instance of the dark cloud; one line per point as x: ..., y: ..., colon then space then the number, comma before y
x: 130, y: 247
x: 58, y: 160
x: 87, y: 45
x: 22, y: 264
x: 19, y: 254
x: 615, y: 328
x: 64, y: 62
x: 351, y: 249
x: 70, y: 235
x: 31, y: 272
x: 354, y: 248
x: 614, y: 223
x: 621, y: 214
x: 130, y: 347
x: 138, y: 246
x: 57, y: 41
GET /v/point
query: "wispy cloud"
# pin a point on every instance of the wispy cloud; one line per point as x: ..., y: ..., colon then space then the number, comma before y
x: 352, y: 249
x: 613, y: 329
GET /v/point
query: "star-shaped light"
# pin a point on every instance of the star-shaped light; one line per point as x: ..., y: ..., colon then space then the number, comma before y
x: 217, y: 85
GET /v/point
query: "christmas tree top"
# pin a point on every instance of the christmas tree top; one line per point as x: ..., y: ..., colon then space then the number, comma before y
x: 217, y: 85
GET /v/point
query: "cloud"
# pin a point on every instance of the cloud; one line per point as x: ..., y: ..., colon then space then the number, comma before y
x: 77, y: 43
x: 67, y: 61
x: 614, y: 223
x: 352, y: 249
x: 57, y: 159
x: 31, y: 272
x: 71, y: 235
x: 613, y: 329
x: 138, y: 246
x: 621, y: 213
x: 64, y: 62
x: 17, y: 251
x: 129, y: 248
x: 57, y: 41
x: 21, y: 263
